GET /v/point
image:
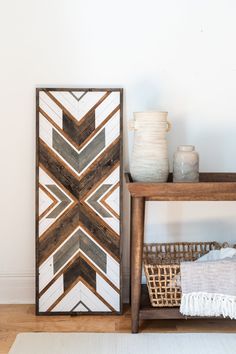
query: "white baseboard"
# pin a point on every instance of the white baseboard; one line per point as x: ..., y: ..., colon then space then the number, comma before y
x: 17, y: 288
x: 20, y: 288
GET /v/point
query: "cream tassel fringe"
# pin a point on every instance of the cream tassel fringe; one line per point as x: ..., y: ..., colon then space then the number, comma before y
x: 206, y: 304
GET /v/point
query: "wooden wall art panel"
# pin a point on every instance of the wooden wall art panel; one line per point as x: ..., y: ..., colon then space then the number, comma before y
x: 78, y: 208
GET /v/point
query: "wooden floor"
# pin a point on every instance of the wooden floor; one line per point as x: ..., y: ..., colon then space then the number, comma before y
x: 16, y: 319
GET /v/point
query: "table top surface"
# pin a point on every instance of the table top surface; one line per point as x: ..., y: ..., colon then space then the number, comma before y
x: 215, y: 186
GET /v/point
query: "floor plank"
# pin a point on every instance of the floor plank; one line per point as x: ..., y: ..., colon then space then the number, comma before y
x: 16, y: 319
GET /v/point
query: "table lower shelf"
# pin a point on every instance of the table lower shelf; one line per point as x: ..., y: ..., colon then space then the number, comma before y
x: 148, y: 312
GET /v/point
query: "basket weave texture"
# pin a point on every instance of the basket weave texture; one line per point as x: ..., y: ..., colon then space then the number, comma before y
x: 162, y: 264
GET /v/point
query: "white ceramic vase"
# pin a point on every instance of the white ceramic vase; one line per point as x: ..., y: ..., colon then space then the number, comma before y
x: 186, y: 164
x: 149, y: 161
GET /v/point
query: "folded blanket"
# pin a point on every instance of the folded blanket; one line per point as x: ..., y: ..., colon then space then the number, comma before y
x: 209, y: 288
x: 213, y: 255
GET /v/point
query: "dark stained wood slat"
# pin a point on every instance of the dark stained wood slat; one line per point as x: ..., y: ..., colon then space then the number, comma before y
x: 94, y: 252
x: 66, y: 251
x: 91, y: 190
x: 58, y: 232
x: 54, y: 124
x: 102, y: 166
x: 79, y: 268
x: 97, y: 270
x: 57, y: 182
x: 102, y: 124
x: 100, y: 232
x: 68, y: 153
x: 92, y: 150
x: 61, y: 272
x: 54, y: 166
x: 76, y: 133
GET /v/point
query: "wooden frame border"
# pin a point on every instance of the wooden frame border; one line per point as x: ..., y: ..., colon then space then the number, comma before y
x: 37, y: 312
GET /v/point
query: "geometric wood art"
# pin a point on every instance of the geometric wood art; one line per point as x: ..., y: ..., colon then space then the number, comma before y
x: 78, y: 203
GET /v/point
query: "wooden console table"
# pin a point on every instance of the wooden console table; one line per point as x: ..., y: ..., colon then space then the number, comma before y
x: 212, y: 187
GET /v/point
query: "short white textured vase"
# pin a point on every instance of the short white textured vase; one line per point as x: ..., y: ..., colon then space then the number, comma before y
x: 186, y: 164
x: 149, y: 161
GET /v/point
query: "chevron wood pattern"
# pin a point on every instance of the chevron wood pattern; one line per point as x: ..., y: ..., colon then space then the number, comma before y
x: 78, y: 218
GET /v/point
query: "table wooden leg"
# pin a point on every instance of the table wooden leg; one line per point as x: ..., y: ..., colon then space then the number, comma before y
x: 137, y: 225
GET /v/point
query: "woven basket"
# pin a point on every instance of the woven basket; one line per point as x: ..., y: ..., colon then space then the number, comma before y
x: 162, y: 264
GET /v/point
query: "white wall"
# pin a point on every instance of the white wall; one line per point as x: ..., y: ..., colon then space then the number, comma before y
x: 172, y: 55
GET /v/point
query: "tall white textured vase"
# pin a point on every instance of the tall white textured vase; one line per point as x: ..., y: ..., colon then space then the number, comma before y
x: 149, y: 162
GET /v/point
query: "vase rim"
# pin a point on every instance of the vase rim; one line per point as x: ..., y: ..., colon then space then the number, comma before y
x: 186, y: 148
